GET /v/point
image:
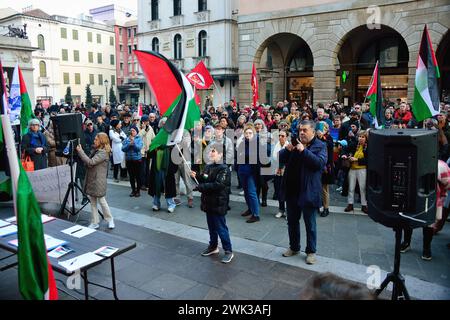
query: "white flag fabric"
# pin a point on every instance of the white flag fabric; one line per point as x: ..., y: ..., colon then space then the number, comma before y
x: 15, y: 99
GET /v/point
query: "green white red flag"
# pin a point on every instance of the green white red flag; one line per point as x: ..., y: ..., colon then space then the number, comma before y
x: 174, y: 97
x: 426, y: 92
x: 375, y: 96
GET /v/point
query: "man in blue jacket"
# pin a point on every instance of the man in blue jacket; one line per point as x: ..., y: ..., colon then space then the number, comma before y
x: 305, y: 159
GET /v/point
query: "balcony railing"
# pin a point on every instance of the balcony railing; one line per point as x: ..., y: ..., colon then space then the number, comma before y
x: 44, y: 81
x: 154, y: 24
x: 179, y: 63
x: 203, y: 16
x: 205, y: 60
x: 177, y: 20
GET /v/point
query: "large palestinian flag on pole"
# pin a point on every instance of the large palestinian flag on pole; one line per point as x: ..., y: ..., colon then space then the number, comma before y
x: 375, y: 96
x: 174, y: 97
x: 426, y: 92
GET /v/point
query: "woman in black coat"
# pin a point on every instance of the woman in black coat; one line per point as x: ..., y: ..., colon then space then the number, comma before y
x: 34, y: 144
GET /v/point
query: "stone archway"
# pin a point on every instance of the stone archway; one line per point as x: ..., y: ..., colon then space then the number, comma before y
x: 273, y: 61
x: 357, y: 58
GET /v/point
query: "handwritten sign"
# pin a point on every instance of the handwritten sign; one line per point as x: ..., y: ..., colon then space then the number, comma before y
x: 51, y: 184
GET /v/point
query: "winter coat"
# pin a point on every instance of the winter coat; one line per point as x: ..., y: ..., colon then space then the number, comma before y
x: 133, y: 151
x: 147, y: 135
x: 29, y: 144
x: 328, y: 172
x: 310, y: 164
x: 97, y: 169
x: 215, y: 183
x: 116, y: 141
x: 162, y: 173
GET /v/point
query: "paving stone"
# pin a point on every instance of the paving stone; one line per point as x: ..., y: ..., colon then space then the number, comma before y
x: 168, y: 286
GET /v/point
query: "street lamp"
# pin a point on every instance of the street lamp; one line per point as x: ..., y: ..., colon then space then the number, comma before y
x: 106, y: 87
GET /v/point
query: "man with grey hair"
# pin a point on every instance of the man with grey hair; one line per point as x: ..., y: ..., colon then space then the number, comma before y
x: 304, y: 158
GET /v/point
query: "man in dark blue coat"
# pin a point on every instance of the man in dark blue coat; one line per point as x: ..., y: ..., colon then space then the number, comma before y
x: 305, y: 159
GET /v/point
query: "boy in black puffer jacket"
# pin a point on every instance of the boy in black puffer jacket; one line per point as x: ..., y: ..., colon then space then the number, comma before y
x: 214, y: 185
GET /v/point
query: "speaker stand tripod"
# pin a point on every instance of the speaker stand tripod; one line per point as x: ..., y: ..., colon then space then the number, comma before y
x: 399, y: 291
x: 71, y: 190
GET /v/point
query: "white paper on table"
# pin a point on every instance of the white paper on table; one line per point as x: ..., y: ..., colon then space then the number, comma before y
x: 78, y: 231
x: 8, y: 230
x: 80, y: 261
x: 45, y: 218
x: 4, y: 223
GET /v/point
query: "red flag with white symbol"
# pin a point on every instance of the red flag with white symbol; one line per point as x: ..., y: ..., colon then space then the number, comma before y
x: 200, y: 77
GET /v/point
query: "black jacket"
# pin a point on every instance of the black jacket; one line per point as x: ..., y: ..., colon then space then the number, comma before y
x: 215, y: 182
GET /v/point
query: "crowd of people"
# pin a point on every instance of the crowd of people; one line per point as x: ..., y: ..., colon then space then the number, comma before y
x: 303, y: 150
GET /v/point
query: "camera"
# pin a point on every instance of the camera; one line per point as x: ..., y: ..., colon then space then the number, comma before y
x: 294, y: 139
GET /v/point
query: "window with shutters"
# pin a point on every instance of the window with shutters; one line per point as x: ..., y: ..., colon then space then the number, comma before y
x: 77, y: 78
x: 75, y: 34
x: 91, y: 57
x: 89, y: 36
x: 66, y: 78
x: 65, y: 55
x: 42, y: 69
x: 99, y: 58
x: 63, y: 33
x: 100, y: 79
x: 111, y: 41
x: 113, y: 80
x: 76, y: 55
x: 111, y: 59
x: 202, y: 5
x: 41, y: 42
x: 91, y: 79
x: 99, y: 38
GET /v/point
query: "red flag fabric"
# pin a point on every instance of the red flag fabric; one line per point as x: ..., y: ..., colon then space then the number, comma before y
x: 254, y: 86
x: 200, y: 77
x: 161, y: 78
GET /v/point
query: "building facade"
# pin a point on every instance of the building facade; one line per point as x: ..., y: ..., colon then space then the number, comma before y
x: 71, y: 53
x: 326, y: 50
x: 124, y: 22
x: 13, y: 51
x: 190, y: 31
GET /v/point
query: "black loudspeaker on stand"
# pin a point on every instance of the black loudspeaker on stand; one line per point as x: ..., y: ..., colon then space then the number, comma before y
x: 68, y: 135
x: 401, y: 187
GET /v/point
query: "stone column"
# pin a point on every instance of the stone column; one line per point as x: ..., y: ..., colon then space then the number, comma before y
x: 324, y: 84
x: 411, y: 75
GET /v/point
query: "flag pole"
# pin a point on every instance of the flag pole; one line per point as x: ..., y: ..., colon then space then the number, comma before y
x: 370, y: 84
x: 12, y: 157
x: 218, y: 91
x: 186, y: 163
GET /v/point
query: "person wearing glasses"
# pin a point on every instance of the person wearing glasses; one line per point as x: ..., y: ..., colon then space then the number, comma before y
x: 34, y: 144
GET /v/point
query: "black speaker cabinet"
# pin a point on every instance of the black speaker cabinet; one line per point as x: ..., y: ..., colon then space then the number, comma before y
x: 67, y: 126
x: 402, y: 177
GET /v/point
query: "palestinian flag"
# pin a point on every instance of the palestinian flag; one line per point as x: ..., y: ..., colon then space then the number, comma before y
x: 174, y: 97
x: 3, y: 101
x: 375, y: 96
x: 426, y: 92
x: 6, y: 192
x: 26, y: 113
x: 36, y: 280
